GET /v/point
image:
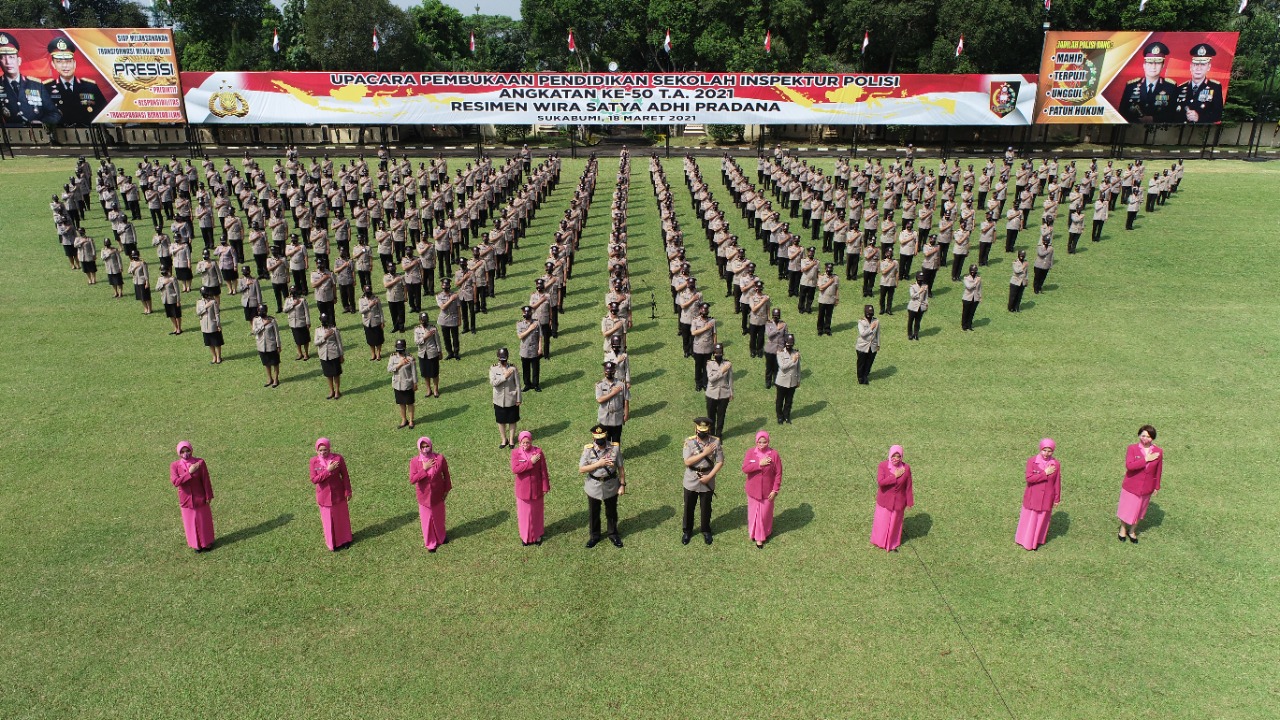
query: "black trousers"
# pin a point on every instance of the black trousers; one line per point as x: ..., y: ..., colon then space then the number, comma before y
x: 282, y: 291
x: 703, y: 501
x: 531, y: 368
x: 904, y: 266
x: 686, y: 338
x: 1072, y: 240
x: 716, y: 410
x: 1015, y: 297
x: 1151, y: 202
x: 967, y: 310
x: 793, y: 283
x: 1128, y: 223
x: 1037, y: 280
x: 957, y: 266
x: 450, y: 333
x: 615, y: 433
x: 886, y: 299
x: 415, y: 296
x: 610, y: 513
x: 825, y: 311
x: 348, y: 295
x: 868, y: 283
x: 700, y: 370
x: 782, y: 403
x: 807, y: 293
x: 545, y: 329
x: 984, y: 253
x: 326, y: 307
x: 468, y: 313
x: 397, y: 315
x: 1010, y: 237
x: 1097, y: 230
x: 913, y: 323
x: 757, y: 340
x: 865, y: 360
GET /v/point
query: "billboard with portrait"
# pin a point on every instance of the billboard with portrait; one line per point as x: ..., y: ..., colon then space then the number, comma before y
x: 74, y: 77
x: 1101, y: 78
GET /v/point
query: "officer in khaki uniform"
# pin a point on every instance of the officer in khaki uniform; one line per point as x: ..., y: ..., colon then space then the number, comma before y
x: 703, y: 458
x: 606, y: 479
x: 613, y: 401
x: 719, y: 388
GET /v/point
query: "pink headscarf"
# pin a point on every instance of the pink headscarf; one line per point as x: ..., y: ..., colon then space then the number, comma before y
x: 425, y: 441
x: 324, y: 442
x: 762, y: 434
x: 1041, y: 463
x: 187, y: 462
x: 895, y: 464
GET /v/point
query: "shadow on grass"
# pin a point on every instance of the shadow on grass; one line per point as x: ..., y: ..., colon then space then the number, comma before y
x: 884, y: 372
x: 940, y: 290
x: 562, y: 379
x: 465, y: 384
x: 648, y: 520
x: 732, y: 520
x: 810, y: 409
x: 747, y: 427
x: 367, y: 387
x: 916, y: 525
x: 1059, y: 524
x: 299, y: 378
x: 648, y: 348
x: 1154, y: 518
x: 648, y: 410
x: 930, y: 332
x: 648, y: 375
x: 373, y: 531
x: 981, y: 322
x: 254, y: 530
x: 569, y: 349
x: 576, y: 329
x: 442, y: 415
x: 567, y: 525
x: 1027, y: 305
x: 479, y: 525
x: 241, y: 356
x: 1049, y: 287
x: 842, y: 327
x: 646, y: 447
x: 547, y: 431
x: 792, y: 519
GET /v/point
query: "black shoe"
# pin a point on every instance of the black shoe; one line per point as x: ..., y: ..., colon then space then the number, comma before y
x: 1133, y: 539
x: 788, y: 421
x: 617, y: 541
x: 684, y: 539
x: 1121, y: 537
x: 592, y: 542
x: 538, y: 541
x: 537, y: 388
x: 706, y: 538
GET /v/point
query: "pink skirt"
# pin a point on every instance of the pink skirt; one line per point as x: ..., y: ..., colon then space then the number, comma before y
x: 1033, y: 528
x: 529, y: 516
x: 198, y: 523
x: 886, y: 529
x: 432, y: 525
x: 759, y: 519
x: 1132, y: 508
x: 337, y: 525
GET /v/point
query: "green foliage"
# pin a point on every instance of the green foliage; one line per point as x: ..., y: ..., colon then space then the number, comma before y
x: 723, y: 134
x: 507, y: 133
x: 84, y: 13
x: 340, y: 36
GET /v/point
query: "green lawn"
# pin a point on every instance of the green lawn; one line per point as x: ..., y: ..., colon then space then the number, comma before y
x: 107, y: 613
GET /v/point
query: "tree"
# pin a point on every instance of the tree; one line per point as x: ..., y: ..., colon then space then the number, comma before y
x: 84, y: 13
x: 224, y: 34
x: 340, y: 36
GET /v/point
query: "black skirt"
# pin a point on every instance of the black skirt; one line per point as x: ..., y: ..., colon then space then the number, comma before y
x: 301, y: 336
x: 374, y: 336
x: 183, y: 273
x: 172, y: 310
x: 70, y: 250
x: 213, y: 339
x: 89, y: 266
x: 250, y: 312
x: 230, y: 276
x: 331, y: 368
x: 141, y: 292
x: 270, y: 358
x: 429, y: 368
x: 214, y: 290
x: 404, y: 397
x: 506, y: 415
x: 115, y: 279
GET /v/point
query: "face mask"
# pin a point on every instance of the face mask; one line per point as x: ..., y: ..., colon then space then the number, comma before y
x: 601, y: 441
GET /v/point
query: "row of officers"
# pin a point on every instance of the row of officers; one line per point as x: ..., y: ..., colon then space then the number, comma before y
x: 605, y: 481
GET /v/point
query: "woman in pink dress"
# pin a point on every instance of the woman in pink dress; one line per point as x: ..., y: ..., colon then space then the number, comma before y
x: 763, y: 468
x: 429, y: 475
x: 893, y: 496
x: 333, y: 490
x: 532, y: 482
x: 1044, y: 491
x: 190, y: 475
x: 1143, y: 465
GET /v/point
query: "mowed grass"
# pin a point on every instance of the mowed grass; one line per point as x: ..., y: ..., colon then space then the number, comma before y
x: 107, y: 613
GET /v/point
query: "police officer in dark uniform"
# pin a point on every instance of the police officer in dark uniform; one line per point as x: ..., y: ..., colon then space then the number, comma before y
x: 1199, y: 99
x: 1150, y: 98
x: 79, y: 100
x: 23, y: 102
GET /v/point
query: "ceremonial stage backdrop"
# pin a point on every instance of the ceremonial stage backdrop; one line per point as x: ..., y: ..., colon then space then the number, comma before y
x: 1097, y: 78
x: 72, y: 77
x: 252, y: 98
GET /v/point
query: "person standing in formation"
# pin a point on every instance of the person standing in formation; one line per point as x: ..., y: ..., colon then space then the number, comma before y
x: 447, y: 318
x: 613, y: 401
x: 404, y: 382
x: 606, y: 479
x: 299, y: 315
x: 210, y: 325
x: 970, y: 299
x: 1043, y: 263
x: 1043, y: 493
x: 1018, y: 282
x: 532, y: 483
x: 703, y: 458
x: 371, y: 319
x: 529, y: 333
x: 916, y: 306
x: 266, y: 335
x: 763, y: 467
x: 329, y: 348
x: 429, y: 475
x: 190, y: 475
x: 427, y: 339
x: 171, y: 298
x: 1143, y: 466
x: 788, y: 379
x: 505, y: 380
x: 333, y: 492
x: 828, y: 298
x: 868, y: 343
x: 894, y: 494
x: 719, y: 388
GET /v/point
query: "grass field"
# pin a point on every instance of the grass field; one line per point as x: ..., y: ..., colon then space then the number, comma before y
x: 107, y: 613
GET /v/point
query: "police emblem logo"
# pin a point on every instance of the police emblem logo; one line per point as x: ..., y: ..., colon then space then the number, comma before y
x: 1004, y: 97
x: 228, y: 103
x: 4, y: 39
x: 1202, y: 51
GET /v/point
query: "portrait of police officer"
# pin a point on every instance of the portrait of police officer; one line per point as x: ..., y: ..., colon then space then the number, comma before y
x: 1150, y: 98
x: 78, y: 100
x: 1199, y: 99
x: 24, y: 102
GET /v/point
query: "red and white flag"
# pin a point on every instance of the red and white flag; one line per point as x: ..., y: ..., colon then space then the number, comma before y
x: 768, y: 41
x: 866, y: 40
x: 275, y: 40
x: 473, y: 43
x: 1243, y: 4
x: 377, y: 45
x: 573, y: 46
x: 66, y: 5
x: 960, y: 46
x: 1142, y: 5
x: 1047, y: 3
x: 666, y: 42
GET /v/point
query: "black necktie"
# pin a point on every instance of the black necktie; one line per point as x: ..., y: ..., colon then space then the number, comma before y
x: 1151, y: 88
